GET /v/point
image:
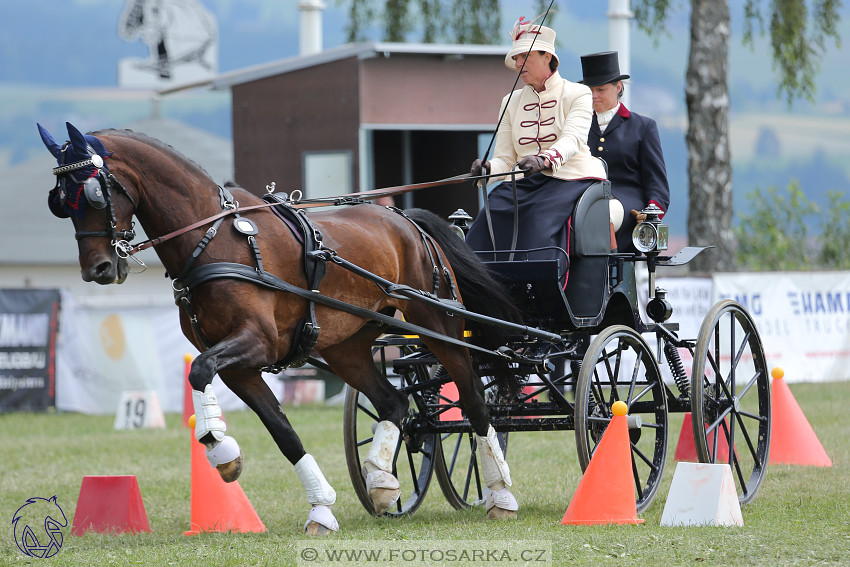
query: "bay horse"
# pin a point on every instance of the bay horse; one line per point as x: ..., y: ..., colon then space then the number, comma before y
x: 105, y: 178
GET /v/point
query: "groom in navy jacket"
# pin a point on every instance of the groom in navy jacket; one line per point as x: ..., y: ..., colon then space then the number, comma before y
x: 627, y: 141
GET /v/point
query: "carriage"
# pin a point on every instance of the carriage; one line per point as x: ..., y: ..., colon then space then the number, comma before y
x: 274, y: 287
x: 603, y: 356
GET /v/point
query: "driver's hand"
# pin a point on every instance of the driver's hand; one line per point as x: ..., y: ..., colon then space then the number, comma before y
x: 479, y: 167
x: 532, y: 164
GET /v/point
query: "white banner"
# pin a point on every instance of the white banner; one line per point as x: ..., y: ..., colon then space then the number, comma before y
x: 803, y: 319
x: 103, y: 351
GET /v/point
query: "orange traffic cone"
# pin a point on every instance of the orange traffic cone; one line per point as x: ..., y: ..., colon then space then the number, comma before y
x: 188, y: 406
x: 606, y: 493
x: 110, y: 504
x: 792, y: 439
x: 686, y: 450
x: 217, y: 506
x: 448, y: 395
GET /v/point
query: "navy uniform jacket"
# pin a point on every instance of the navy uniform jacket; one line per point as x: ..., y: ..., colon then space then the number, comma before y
x: 632, y: 149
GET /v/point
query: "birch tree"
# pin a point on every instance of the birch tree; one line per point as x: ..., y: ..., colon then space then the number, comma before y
x: 798, y: 32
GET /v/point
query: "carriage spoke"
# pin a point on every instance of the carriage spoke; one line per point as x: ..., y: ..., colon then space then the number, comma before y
x: 636, y: 475
x: 368, y: 412
x: 749, y: 385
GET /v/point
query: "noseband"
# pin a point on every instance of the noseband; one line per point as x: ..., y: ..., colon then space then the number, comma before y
x: 98, y: 195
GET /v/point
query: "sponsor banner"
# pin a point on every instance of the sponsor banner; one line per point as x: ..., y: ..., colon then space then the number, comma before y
x: 803, y: 319
x: 106, y: 350
x: 28, y: 320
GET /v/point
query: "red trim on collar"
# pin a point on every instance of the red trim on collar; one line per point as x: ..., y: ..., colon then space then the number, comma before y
x: 623, y: 111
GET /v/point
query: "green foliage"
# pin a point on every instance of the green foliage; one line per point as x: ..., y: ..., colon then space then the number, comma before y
x: 835, y: 238
x: 447, y: 21
x: 798, y: 30
x: 787, y: 231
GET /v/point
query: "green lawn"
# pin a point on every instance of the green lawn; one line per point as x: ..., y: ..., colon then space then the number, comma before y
x: 800, y: 517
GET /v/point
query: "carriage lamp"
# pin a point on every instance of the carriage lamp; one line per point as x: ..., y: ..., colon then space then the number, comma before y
x: 650, y: 235
x: 459, y: 220
x: 658, y: 308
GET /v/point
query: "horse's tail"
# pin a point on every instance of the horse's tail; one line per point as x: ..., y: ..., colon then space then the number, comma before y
x: 480, y: 291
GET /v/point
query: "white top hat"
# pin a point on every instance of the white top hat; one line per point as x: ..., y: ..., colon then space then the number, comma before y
x: 527, y: 36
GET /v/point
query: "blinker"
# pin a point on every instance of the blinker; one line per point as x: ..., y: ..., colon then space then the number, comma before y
x: 94, y: 193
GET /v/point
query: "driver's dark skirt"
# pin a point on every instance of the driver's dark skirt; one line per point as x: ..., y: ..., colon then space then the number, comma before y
x: 544, y: 207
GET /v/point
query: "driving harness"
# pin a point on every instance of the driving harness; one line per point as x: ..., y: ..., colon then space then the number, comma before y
x: 314, y: 258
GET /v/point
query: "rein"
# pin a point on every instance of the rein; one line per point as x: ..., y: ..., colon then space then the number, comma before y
x: 307, y: 204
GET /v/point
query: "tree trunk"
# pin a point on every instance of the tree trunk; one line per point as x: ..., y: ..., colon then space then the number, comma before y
x: 709, y: 161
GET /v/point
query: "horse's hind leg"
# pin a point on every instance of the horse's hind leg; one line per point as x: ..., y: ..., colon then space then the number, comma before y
x: 251, y: 388
x: 352, y: 361
x: 500, y: 502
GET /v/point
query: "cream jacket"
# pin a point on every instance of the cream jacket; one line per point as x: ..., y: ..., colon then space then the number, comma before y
x: 552, y: 123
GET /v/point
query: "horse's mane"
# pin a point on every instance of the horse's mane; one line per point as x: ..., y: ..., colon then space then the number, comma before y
x: 151, y: 141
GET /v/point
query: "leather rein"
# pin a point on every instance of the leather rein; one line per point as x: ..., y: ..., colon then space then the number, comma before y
x: 307, y: 204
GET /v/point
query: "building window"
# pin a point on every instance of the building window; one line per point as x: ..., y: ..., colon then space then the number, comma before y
x: 327, y: 174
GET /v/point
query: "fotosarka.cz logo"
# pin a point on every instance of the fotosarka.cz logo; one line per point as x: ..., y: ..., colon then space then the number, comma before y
x: 38, y: 527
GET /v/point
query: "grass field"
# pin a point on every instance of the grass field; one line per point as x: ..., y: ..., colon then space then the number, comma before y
x: 800, y: 517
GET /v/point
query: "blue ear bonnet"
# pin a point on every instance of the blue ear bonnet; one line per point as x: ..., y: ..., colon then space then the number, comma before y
x: 66, y: 198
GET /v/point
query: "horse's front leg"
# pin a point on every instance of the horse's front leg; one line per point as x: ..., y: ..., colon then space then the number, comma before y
x: 233, y: 360
x: 252, y: 389
x: 222, y: 451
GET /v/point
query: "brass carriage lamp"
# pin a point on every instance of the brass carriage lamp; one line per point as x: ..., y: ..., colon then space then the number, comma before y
x: 649, y: 235
x: 459, y: 220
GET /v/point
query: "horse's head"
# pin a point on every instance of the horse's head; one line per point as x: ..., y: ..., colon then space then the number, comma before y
x: 84, y: 192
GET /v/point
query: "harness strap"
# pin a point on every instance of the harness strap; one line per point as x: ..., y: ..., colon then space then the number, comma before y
x: 242, y: 272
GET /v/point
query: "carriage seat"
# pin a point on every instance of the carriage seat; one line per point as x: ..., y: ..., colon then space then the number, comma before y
x: 592, y: 238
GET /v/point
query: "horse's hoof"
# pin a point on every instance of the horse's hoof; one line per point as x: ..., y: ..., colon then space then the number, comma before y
x: 231, y: 471
x: 321, y: 521
x: 501, y: 504
x: 496, y: 513
x: 383, y: 498
x: 384, y: 490
x: 316, y: 529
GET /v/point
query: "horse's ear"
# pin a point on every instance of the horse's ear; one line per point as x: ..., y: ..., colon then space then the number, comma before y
x: 78, y: 140
x: 48, y: 140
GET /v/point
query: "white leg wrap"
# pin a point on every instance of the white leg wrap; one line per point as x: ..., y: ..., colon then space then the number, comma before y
x: 207, y: 414
x: 382, y: 450
x: 319, y: 492
x: 322, y: 515
x: 494, y: 468
x: 224, y: 451
x: 501, y: 499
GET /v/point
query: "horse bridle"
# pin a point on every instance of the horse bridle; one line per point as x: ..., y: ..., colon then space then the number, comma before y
x: 97, y: 191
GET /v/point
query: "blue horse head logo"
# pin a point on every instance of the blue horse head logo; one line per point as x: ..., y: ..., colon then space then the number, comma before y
x: 38, y: 527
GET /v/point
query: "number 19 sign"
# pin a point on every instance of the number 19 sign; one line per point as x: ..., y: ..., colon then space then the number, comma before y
x: 139, y: 409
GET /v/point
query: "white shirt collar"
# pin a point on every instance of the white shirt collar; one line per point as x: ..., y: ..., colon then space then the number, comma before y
x: 604, y: 118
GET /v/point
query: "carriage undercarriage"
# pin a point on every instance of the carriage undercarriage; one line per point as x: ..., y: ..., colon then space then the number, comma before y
x: 574, y: 390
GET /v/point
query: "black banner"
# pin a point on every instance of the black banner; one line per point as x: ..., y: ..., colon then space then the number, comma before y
x: 28, y: 324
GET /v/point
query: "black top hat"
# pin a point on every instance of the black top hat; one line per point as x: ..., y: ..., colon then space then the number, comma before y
x: 601, y: 68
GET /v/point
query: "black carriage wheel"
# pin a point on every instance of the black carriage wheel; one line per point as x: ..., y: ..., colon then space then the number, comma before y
x: 619, y: 366
x: 456, y: 467
x: 730, y: 396
x: 414, y: 460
